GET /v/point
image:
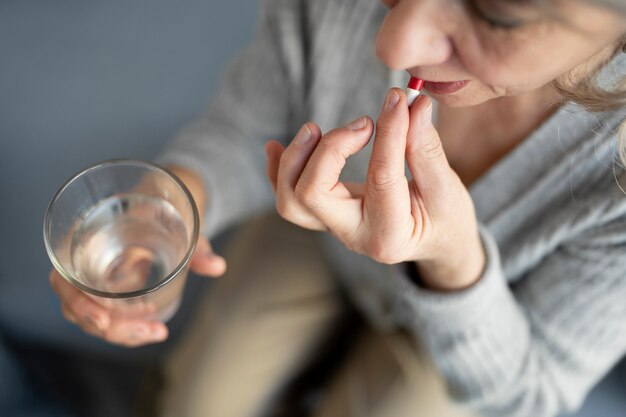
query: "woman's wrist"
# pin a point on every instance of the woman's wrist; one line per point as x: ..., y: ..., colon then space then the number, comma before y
x: 455, y: 272
x: 194, y: 184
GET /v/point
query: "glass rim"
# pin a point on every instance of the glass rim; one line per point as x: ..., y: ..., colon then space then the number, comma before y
x: 131, y: 294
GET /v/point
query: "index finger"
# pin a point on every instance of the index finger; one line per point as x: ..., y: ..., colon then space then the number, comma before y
x: 319, y: 187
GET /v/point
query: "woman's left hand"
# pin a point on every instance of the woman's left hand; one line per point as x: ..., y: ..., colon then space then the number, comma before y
x: 429, y: 219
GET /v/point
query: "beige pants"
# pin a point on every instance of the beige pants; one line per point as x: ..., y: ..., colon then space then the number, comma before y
x: 267, y: 317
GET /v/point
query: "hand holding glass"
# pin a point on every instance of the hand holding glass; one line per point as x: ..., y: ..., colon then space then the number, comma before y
x: 123, y: 233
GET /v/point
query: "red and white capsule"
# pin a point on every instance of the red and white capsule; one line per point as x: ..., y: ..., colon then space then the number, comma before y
x: 413, y: 89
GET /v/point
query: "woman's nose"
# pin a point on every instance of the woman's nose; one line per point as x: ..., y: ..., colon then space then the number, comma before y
x: 414, y: 33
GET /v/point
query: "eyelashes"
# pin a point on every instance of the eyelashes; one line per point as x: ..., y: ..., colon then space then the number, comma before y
x: 492, y: 21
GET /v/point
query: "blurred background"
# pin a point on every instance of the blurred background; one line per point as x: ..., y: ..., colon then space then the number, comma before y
x: 80, y: 82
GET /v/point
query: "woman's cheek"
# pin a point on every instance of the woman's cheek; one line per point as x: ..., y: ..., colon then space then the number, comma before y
x: 496, y: 68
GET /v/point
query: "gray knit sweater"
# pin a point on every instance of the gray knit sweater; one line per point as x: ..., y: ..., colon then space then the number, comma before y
x: 547, y: 319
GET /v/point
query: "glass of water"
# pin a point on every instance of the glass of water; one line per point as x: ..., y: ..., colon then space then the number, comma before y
x: 123, y: 231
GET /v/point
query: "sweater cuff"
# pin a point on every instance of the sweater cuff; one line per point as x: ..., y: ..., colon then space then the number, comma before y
x: 453, y: 312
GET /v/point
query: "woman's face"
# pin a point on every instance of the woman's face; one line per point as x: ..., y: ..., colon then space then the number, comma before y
x: 484, y: 49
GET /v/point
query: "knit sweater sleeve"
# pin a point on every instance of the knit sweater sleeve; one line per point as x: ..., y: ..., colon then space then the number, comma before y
x: 258, y: 96
x: 534, y: 349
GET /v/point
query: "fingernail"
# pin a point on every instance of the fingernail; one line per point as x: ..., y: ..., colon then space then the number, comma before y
x: 427, y: 115
x: 357, y: 124
x: 392, y: 99
x: 159, y: 333
x: 303, y: 136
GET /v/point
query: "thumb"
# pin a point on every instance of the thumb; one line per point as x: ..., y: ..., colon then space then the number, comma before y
x: 425, y: 156
x: 205, y: 262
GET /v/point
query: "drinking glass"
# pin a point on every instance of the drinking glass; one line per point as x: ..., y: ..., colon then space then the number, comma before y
x: 122, y: 232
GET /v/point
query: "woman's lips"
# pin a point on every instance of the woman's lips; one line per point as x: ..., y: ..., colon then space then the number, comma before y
x: 444, y: 88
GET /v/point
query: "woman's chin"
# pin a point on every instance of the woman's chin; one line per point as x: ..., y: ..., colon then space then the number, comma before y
x: 460, y: 99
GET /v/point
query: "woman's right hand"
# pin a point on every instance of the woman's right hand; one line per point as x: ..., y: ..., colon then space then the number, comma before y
x: 97, y: 320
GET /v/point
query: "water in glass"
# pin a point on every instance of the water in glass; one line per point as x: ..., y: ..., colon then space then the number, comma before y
x: 128, y: 242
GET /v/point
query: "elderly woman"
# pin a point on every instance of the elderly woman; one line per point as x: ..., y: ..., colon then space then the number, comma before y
x: 481, y: 230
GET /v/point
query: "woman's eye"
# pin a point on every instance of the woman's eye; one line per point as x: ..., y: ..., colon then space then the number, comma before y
x: 390, y: 3
x: 493, y: 21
